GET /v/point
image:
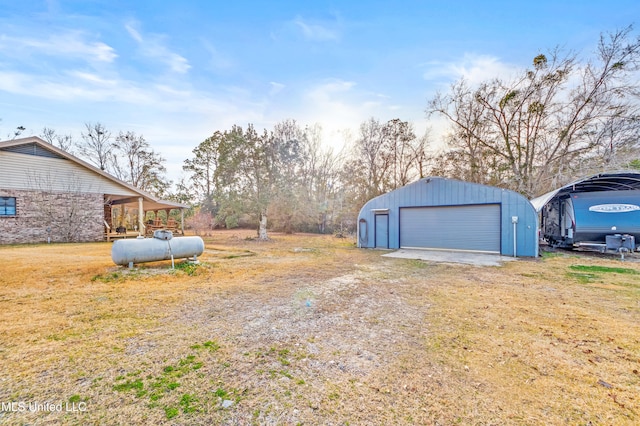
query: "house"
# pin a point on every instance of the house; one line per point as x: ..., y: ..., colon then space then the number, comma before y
x: 49, y: 195
x: 446, y: 214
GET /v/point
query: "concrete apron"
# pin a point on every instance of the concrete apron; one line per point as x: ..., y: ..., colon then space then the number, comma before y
x: 444, y: 256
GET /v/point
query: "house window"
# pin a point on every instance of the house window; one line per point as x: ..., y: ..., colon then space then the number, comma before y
x: 7, y: 206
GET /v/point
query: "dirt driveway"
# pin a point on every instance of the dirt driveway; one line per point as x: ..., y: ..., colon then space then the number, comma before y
x: 310, y: 330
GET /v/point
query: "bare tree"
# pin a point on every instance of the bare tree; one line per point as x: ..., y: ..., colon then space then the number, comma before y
x: 96, y: 145
x: 385, y: 157
x: 134, y: 161
x: 369, y: 150
x: 401, y: 152
x: 305, y: 197
x: 202, y: 222
x: 543, y: 124
x: 17, y: 132
x: 321, y: 186
x: 419, y: 150
x: 64, y: 142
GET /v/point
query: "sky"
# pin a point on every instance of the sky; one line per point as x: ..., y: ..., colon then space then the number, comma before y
x: 177, y: 71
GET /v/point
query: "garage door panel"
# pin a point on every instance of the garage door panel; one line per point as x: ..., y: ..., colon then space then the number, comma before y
x: 472, y: 227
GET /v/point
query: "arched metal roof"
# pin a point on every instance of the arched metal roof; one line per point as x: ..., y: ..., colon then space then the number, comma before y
x: 611, y: 181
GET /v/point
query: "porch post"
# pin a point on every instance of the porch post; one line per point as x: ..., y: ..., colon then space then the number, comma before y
x: 182, y: 221
x: 122, y: 216
x: 141, y: 230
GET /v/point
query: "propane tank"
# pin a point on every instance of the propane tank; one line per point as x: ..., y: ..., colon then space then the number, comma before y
x: 161, y: 247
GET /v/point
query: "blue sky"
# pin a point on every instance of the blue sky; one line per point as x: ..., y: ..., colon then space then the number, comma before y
x: 176, y: 71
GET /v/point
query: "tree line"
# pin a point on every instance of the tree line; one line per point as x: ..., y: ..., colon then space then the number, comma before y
x: 285, y: 179
x: 288, y: 179
x: 560, y: 119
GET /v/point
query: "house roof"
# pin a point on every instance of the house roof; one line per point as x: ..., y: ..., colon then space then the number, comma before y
x: 610, y: 181
x: 151, y: 202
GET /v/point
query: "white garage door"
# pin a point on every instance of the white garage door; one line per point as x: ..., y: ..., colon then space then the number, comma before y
x: 473, y: 227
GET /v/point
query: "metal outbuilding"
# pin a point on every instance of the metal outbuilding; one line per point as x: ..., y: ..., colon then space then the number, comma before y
x: 446, y: 214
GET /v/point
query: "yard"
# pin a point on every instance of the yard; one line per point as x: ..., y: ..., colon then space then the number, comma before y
x: 307, y: 329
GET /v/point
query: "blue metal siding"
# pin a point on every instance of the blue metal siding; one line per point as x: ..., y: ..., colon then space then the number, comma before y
x: 473, y: 227
x: 439, y: 191
x: 382, y: 231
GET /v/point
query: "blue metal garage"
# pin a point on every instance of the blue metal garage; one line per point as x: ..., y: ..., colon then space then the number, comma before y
x: 446, y: 214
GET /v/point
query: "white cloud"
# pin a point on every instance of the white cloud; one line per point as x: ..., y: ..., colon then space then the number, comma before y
x: 152, y: 47
x: 75, y: 86
x: 12, y: 82
x: 69, y: 45
x: 325, y: 91
x: 473, y: 68
x: 173, y: 91
x: 93, y: 78
x: 275, y: 88
x: 134, y: 33
x: 315, y: 31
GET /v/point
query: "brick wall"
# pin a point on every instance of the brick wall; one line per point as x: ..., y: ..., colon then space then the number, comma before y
x: 63, y: 217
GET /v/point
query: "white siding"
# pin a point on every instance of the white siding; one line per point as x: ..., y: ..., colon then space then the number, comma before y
x: 30, y: 172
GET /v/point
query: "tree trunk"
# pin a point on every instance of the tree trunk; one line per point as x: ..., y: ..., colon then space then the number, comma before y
x: 262, y: 229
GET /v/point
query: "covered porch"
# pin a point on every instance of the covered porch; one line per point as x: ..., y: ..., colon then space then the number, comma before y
x: 127, y: 217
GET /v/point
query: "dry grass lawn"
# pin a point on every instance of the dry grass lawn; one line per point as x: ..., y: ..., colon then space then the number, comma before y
x: 310, y: 330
